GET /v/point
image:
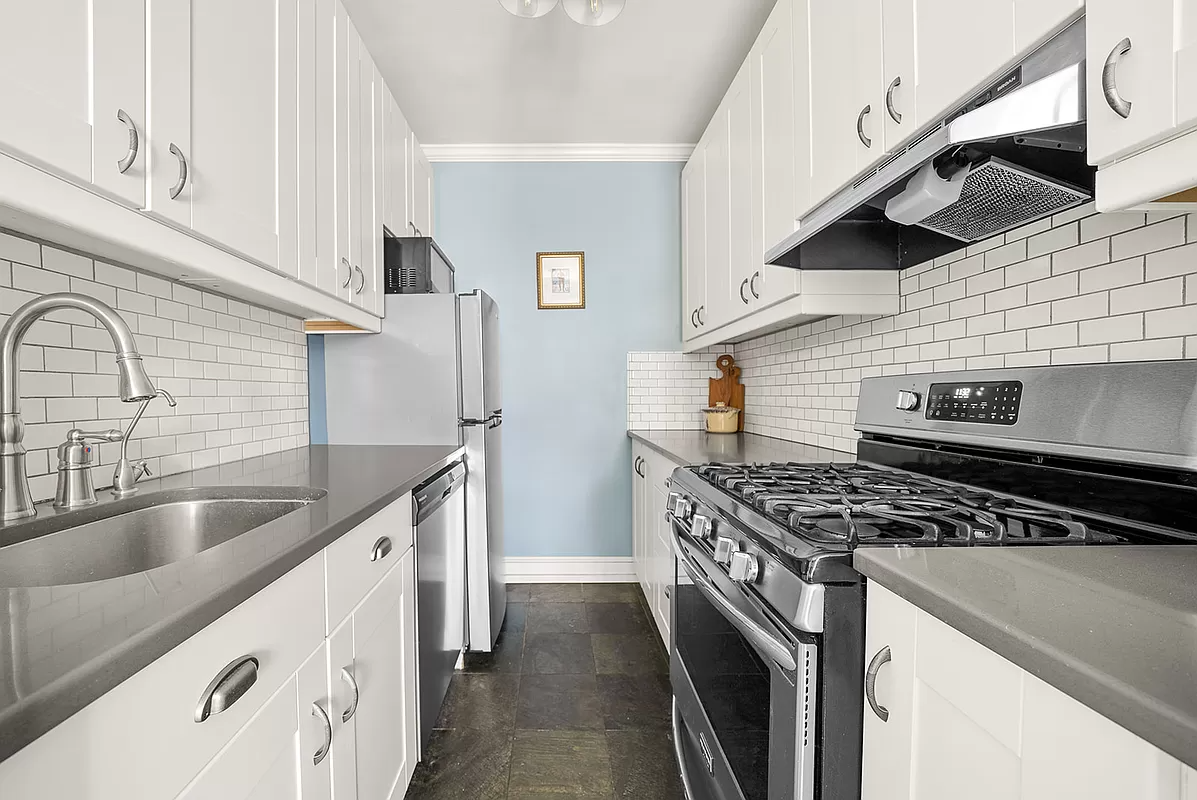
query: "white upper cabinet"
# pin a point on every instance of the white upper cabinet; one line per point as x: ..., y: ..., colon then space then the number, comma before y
x: 1138, y: 42
x: 953, y: 61
x: 833, y: 106
x: 743, y: 257
x: 694, y: 241
x: 396, y: 169
x: 717, y: 308
x: 1036, y: 20
x: 72, y: 86
x: 421, y: 185
x: 899, y: 112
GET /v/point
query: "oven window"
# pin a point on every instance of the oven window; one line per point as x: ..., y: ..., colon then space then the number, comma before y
x: 732, y: 683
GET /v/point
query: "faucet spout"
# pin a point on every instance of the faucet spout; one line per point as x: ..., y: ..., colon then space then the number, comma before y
x: 135, y: 384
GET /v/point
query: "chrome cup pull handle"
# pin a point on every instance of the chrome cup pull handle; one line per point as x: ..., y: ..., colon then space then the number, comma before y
x: 361, y: 275
x: 134, y: 142
x: 177, y: 189
x: 1109, y: 79
x: 347, y: 676
x: 229, y: 686
x: 326, y: 724
x: 752, y: 285
x: 881, y: 659
x: 864, y: 112
x: 894, y: 114
x: 381, y: 549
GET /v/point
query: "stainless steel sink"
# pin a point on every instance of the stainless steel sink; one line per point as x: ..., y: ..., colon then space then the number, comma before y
x: 125, y: 537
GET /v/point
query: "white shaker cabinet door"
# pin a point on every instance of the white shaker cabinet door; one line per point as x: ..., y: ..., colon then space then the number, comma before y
x: 742, y: 262
x: 639, y: 518
x: 329, y: 146
x: 421, y: 205
x: 715, y: 309
x: 234, y: 145
x: 694, y: 241
x: 1143, y: 76
x: 398, y: 188
x: 72, y: 86
x: 833, y: 107
x: 889, y: 668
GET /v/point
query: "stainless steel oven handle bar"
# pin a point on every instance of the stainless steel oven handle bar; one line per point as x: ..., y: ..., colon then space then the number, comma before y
x: 753, y: 632
x: 677, y: 749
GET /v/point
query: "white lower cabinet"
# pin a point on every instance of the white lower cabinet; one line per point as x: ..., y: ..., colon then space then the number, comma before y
x: 652, y: 537
x: 954, y: 719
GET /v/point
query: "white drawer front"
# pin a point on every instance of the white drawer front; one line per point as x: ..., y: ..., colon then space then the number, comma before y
x: 140, y: 741
x: 351, y: 568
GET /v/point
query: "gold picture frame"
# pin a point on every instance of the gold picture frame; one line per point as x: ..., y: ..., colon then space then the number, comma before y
x: 560, y: 280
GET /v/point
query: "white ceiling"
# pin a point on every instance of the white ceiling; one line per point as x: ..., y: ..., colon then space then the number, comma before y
x: 467, y: 72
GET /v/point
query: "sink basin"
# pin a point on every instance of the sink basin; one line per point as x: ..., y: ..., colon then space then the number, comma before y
x: 125, y: 537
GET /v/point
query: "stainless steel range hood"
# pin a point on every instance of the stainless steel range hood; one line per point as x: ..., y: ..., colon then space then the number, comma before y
x: 1011, y: 155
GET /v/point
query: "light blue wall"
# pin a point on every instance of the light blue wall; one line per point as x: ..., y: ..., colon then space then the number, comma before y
x: 566, y: 458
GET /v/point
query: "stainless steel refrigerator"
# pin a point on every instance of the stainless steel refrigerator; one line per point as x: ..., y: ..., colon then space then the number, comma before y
x: 432, y: 377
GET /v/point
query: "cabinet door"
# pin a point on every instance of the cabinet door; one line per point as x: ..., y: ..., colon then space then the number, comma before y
x: 780, y: 147
x: 1186, y: 64
x: 694, y: 241
x: 234, y: 145
x: 868, y: 84
x: 398, y: 188
x: 384, y: 667
x: 890, y: 627
x: 1037, y: 20
x: 273, y: 756
x: 639, y: 518
x: 833, y: 107
x: 1145, y: 76
x: 952, y: 63
x: 287, y: 174
x: 329, y: 145
x: 742, y: 260
x: 663, y: 563
x: 421, y: 191
x: 899, y: 112
x: 346, y: 104
x: 168, y: 117
x: 344, y: 694
x: 66, y: 70
x: 715, y: 308
x: 309, y: 31
x: 369, y: 227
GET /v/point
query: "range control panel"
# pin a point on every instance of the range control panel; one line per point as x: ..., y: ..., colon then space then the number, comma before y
x: 994, y: 403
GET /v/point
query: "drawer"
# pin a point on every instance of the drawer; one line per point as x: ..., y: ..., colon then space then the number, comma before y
x: 351, y: 568
x: 140, y: 741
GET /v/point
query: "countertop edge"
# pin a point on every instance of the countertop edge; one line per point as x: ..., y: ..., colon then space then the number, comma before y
x: 1105, y: 695
x: 656, y: 447
x: 88, y: 683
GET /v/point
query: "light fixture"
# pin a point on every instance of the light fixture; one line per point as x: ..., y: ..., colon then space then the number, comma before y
x: 529, y: 9
x: 593, y: 12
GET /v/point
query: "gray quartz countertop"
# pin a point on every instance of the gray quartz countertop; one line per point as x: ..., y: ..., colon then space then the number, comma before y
x: 700, y: 447
x: 1113, y: 627
x: 63, y: 646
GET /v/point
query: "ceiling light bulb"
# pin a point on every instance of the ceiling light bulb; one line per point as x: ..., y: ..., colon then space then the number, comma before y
x: 528, y: 9
x: 593, y: 12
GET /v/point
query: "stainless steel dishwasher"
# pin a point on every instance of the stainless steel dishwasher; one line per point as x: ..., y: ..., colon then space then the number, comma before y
x: 439, y: 511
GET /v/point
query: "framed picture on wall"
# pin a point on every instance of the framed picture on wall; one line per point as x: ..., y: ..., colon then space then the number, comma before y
x: 560, y: 280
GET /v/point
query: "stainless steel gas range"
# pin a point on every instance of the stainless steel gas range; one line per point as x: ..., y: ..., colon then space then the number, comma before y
x: 767, y: 661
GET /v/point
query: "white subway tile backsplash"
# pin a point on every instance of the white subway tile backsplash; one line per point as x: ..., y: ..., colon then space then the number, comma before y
x: 1148, y: 239
x: 68, y: 376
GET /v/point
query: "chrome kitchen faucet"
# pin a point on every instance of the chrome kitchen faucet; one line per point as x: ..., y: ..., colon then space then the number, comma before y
x: 15, y: 499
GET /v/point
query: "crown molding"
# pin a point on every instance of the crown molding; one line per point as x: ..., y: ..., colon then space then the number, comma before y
x: 558, y: 152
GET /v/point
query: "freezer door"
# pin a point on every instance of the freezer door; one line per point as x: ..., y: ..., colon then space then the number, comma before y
x: 485, y: 573
x: 480, y: 394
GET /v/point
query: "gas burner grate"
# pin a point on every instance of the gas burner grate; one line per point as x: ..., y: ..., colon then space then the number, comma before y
x: 852, y: 504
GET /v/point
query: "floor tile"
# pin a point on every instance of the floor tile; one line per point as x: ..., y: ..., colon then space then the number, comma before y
x: 643, y: 765
x: 463, y: 764
x: 616, y: 618
x: 572, y: 764
x: 555, y: 592
x: 518, y: 592
x: 559, y: 702
x: 618, y: 654
x: 611, y: 592
x: 558, y: 653
x: 505, y: 658
x: 516, y: 618
x: 635, y: 701
x: 484, y: 702
x: 557, y: 618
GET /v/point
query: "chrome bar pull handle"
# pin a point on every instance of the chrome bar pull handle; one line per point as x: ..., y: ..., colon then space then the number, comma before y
x: 864, y: 112
x: 348, y: 275
x: 326, y: 724
x: 134, y: 142
x: 743, y: 286
x: 894, y: 114
x: 881, y: 659
x: 347, y: 676
x: 361, y: 275
x: 702, y: 310
x: 1109, y: 79
x: 752, y: 285
x: 694, y: 318
x: 177, y: 189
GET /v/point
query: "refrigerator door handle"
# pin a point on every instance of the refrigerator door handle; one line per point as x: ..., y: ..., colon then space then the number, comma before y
x: 468, y: 422
x: 495, y: 420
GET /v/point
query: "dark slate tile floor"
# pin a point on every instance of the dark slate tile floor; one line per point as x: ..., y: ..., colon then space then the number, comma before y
x: 573, y: 703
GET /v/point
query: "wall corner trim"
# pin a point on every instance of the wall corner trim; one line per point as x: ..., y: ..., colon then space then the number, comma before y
x: 571, y: 569
x: 558, y: 152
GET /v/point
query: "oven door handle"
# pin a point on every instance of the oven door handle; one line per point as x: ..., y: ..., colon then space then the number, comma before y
x: 759, y: 637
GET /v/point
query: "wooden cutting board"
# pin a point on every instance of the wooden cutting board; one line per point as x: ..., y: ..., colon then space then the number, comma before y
x: 727, y: 388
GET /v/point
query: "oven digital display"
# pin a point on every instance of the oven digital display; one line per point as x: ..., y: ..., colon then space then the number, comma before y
x: 995, y: 403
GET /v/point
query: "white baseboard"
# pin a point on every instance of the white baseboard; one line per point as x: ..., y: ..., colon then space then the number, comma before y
x: 585, y: 569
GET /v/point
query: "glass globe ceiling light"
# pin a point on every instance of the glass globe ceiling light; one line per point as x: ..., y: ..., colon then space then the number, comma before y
x: 592, y: 12
x: 529, y: 9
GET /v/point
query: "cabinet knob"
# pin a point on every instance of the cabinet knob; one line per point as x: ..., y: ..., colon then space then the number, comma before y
x: 881, y: 659
x: 1109, y: 79
x: 229, y: 686
x: 134, y: 143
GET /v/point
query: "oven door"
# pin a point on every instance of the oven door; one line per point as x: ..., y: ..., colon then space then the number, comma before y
x: 744, y: 688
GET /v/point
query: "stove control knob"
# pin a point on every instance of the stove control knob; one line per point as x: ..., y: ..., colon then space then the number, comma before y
x: 700, y: 528
x: 907, y: 401
x: 678, y: 505
x: 743, y: 567
x: 724, y: 547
